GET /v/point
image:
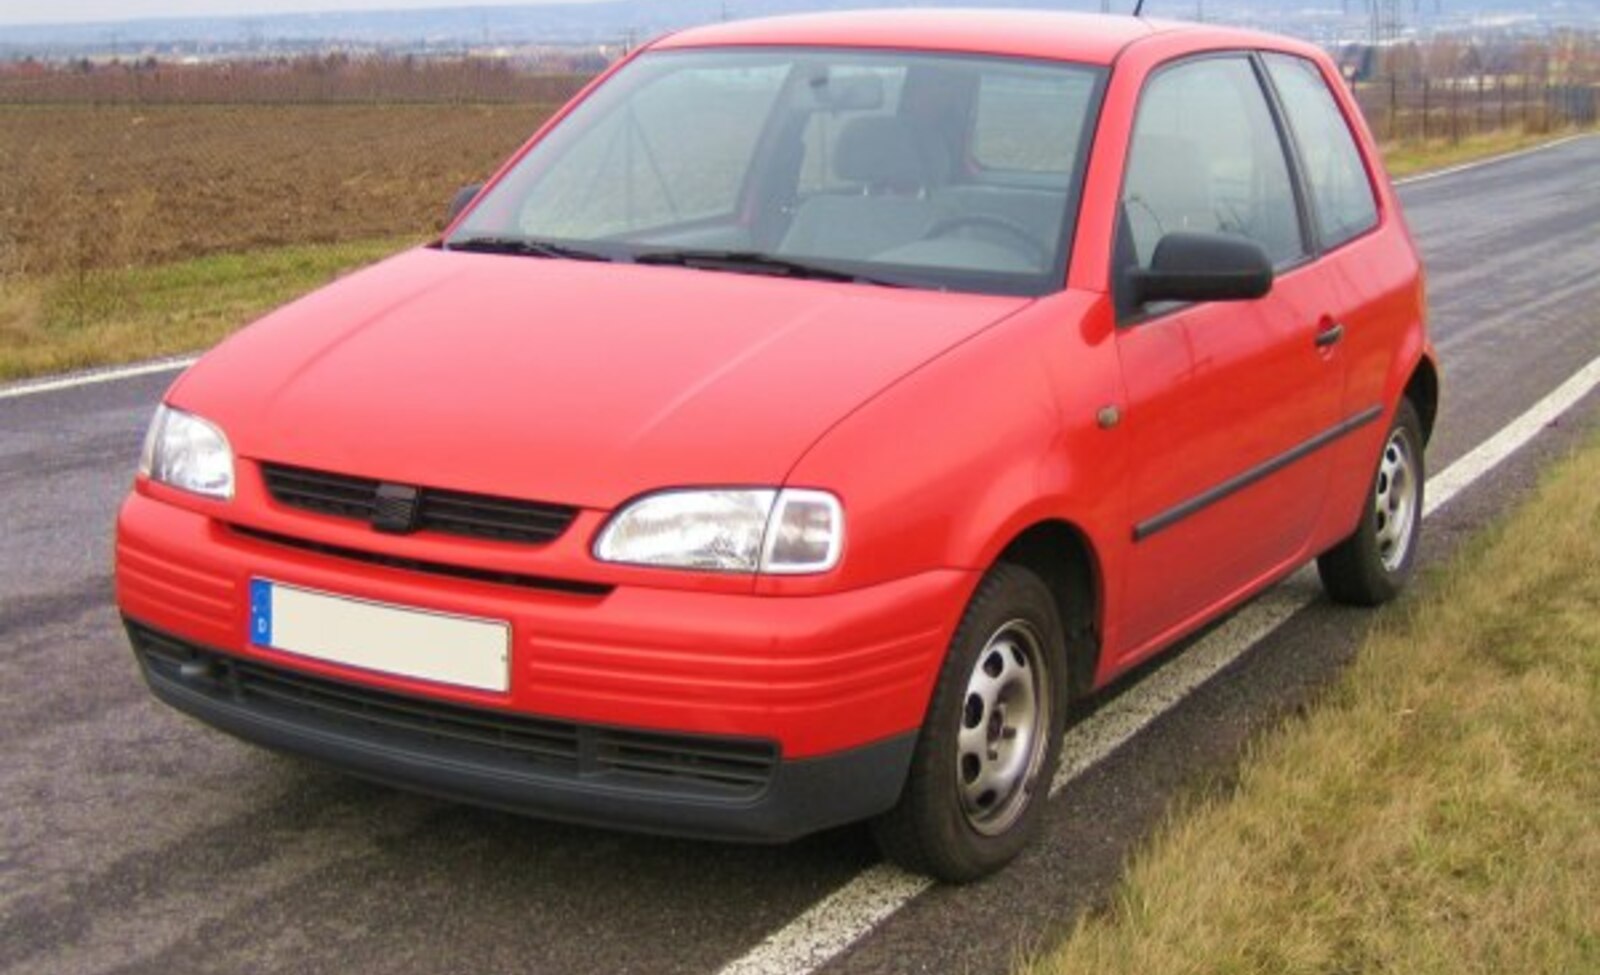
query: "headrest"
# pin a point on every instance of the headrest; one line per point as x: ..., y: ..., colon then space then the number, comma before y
x: 879, y: 150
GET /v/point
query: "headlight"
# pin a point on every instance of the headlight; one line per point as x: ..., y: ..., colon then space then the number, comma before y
x: 183, y: 451
x: 780, y: 532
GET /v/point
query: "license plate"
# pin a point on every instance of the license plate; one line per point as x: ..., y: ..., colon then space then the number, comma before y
x: 388, y: 639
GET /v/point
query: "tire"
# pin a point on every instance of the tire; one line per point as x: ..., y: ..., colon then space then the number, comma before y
x: 980, y: 773
x: 1373, y: 564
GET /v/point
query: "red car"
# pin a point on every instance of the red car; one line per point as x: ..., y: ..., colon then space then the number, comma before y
x: 799, y: 425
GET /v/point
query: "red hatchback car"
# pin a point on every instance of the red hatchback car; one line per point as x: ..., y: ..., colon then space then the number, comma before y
x: 805, y: 419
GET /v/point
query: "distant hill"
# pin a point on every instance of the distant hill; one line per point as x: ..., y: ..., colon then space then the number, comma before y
x: 619, y: 20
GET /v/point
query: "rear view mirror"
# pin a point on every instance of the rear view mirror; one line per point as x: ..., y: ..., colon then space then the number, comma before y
x: 1203, y: 267
x: 461, y: 201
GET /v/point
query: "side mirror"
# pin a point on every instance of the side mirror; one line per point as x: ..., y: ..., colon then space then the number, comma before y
x: 461, y: 201
x: 1203, y: 267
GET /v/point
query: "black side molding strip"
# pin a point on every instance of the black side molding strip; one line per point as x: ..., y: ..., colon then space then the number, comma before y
x: 1234, y: 485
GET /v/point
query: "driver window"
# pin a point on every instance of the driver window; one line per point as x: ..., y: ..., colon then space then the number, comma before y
x: 1206, y: 158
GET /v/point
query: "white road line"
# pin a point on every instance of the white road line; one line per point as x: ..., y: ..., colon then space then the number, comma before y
x: 832, y: 924
x: 93, y: 377
x: 1511, y: 438
x: 1490, y: 161
x: 851, y: 912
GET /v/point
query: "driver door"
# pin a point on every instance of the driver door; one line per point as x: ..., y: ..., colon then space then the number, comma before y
x: 1226, y: 401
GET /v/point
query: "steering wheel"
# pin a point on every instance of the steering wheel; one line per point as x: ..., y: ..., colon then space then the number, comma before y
x: 1015, y: 232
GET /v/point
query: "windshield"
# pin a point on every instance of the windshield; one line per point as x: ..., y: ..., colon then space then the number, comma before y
x: 951, y: 172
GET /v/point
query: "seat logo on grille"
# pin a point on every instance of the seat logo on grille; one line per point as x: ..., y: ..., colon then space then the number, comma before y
x: 394, y: 511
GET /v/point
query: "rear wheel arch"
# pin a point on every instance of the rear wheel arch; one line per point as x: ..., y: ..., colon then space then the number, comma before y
x: 1422, y: 389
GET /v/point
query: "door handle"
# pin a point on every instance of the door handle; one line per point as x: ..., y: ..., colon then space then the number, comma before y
x: 1330, y: 335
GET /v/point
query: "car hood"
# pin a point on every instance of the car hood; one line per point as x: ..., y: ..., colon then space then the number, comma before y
x: 565, y: 381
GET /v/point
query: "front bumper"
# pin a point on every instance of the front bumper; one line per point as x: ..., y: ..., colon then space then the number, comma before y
x: 677, y: 785
x: 833, y: 686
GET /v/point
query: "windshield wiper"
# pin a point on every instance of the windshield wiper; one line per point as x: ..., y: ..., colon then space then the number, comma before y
x: 755, y: 262
x: 524, y: 247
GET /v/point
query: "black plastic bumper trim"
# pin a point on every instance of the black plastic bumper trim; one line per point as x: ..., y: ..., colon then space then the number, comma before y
x: 803, y: 795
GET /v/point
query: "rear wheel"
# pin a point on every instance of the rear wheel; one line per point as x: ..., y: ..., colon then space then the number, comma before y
x: 1371, y: 566
x: 992, y: 738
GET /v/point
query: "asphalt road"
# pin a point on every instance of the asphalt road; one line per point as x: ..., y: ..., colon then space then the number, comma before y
x: 132, y: 840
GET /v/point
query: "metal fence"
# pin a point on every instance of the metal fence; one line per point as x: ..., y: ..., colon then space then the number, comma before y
x: 1424, y: 109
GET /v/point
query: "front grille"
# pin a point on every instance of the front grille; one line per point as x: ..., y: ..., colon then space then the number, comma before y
x: 520, y: 579
x: 679, y: 764
x: 438, y: 510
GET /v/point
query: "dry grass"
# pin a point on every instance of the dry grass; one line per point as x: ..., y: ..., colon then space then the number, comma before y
x: 92, y: 187
x: 1439, y: 812
x: 1410, y: 157
x: 132, y: 231
x: 63, y: 323
x: 117, y: 222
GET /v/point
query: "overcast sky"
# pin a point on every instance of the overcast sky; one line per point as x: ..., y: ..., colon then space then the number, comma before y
x: 67, y: 11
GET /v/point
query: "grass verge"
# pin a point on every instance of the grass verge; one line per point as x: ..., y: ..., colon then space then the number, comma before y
x: 126, y: 315
x: 1439, y: 811
x: 1412, y: 157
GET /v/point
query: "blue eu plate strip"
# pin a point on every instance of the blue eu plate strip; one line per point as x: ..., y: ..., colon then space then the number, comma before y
x: 261, y: 612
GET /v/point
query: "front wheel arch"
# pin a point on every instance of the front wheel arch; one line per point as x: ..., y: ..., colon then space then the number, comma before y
x: 934, y: 828
x: 1062, y: 555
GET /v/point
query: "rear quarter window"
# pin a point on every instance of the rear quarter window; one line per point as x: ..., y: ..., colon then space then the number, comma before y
x: 1340, y: 190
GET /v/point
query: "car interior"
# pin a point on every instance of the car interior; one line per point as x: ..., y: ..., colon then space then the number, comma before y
x: 894, y: 182
x: 907, y: 169
x: 911, y: 210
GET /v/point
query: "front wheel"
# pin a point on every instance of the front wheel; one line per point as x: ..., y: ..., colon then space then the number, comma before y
x: 989, y: 746
x: 1371, y: 566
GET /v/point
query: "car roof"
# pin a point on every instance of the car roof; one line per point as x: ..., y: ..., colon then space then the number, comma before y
x: 1044, y: 34
x: 1087, y: 38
